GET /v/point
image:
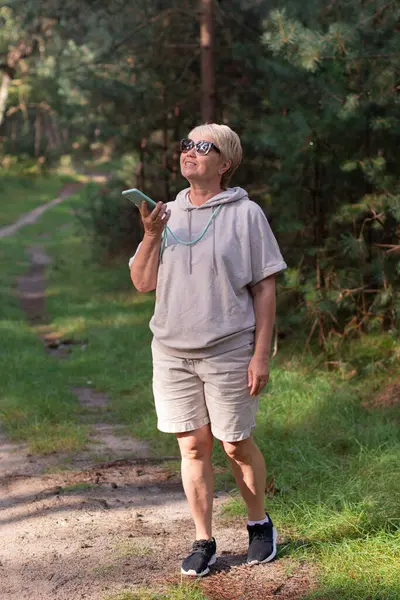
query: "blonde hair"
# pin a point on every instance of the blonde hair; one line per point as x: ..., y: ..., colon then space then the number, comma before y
x: 229, y: 144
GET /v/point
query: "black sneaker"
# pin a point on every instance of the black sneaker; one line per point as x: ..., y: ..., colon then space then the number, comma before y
x: 262, y: 543
x: 203, y: 555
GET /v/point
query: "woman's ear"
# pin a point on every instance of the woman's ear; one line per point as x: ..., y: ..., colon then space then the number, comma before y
x: 226, y: 165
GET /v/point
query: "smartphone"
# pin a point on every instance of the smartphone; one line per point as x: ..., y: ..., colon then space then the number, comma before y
x: 137, y: 197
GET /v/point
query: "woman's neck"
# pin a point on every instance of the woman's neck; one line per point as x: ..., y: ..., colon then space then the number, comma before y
x: 199, y: 194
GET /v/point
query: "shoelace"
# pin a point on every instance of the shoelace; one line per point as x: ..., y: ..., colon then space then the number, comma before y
x: 200, y: 546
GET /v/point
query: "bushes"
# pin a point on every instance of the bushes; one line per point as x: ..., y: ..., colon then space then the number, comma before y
x: 112, y: 222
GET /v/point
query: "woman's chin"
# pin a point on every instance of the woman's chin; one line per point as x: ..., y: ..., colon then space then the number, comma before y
x: 190, y: 176
x: 187, y: 170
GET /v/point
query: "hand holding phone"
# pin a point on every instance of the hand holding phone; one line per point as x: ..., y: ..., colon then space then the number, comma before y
x: 155, y: 215
x: 137, y: 197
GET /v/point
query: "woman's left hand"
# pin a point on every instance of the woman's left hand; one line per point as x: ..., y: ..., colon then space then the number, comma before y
x: 258, y: 373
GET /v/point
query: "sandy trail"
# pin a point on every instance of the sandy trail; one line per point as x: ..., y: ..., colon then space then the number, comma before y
x: 126, y: 525
x: 32, y: 216
x: 98, y: 528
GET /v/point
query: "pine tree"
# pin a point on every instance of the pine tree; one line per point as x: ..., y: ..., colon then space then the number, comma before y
x: 334, y: 132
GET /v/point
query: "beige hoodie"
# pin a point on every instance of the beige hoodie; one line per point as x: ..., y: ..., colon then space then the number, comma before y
x: 204, y: 305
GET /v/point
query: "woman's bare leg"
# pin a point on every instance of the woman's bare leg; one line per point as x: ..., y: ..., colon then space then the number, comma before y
x: 248, y: 468
x: 198, y: 477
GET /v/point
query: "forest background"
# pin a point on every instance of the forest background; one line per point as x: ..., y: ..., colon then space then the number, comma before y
x: 311, y: 88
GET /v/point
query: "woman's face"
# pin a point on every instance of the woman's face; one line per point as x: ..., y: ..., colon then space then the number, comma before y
x: 206, y: 169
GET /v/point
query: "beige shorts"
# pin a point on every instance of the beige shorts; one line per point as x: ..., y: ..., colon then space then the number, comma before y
x: 190, y: 393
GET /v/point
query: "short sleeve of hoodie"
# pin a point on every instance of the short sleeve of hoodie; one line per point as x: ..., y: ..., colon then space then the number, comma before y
x: 132, y: 258
x: 266, y: 258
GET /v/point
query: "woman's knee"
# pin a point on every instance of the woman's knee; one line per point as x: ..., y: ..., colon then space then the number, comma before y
x: 197, y: 444
x: 239, y: 451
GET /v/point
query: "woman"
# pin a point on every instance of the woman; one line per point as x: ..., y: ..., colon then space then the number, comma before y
x: 212, y: 327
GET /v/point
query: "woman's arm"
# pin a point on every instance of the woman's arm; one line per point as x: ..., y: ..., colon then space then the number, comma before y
x: 144, y: 269
x: 264, y: 299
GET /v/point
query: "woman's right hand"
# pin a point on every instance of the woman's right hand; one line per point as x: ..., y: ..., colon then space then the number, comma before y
x: 154, y: 221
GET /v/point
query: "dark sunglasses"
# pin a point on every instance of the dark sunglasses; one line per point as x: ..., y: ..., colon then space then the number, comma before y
x: 203, y: 147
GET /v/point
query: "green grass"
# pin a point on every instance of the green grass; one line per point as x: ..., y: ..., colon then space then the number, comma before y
x: 20, y: 194
x: 185, y: 591
x: 336, y: 466
x: 363, y: 568
x: 36, y: 402
x: 125, y: 548
x: 335, y: 463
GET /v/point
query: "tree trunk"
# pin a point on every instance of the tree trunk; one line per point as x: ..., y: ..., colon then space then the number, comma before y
x: 177, y: 131
x: 317, y: 200
x: 207, y: 61
x: 140, y: 177
x: 14, y: 125
x: 164, y: 162
x: 5, y: 84
x: 22, y: 50
x: 38, y: 133
x: 318, y: 215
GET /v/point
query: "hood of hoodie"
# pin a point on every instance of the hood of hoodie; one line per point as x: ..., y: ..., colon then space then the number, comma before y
x: 225, y: 197
x: 214, y: 204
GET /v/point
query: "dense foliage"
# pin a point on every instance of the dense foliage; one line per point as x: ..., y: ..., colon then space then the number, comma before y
x: 310, y: 87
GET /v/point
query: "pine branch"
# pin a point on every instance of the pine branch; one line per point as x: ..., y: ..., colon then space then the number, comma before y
x: 393, y: 247
x: 356, y: 58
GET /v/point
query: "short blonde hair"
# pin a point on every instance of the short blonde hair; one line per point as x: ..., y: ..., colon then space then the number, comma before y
x: 228, y: 142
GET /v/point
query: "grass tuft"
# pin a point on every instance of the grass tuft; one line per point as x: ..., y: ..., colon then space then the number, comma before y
x: 124, y: 548
x: 184, y: 591
x: 79, y: 487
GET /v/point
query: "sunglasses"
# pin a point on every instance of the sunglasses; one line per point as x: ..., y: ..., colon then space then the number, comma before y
x: 203, y: 147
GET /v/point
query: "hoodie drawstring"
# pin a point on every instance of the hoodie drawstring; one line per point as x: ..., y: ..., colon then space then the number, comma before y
x: 215, y: 268
x: 190, y: 239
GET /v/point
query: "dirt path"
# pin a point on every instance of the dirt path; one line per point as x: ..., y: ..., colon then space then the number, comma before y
x: 99, y: 528
x: 33, y: 215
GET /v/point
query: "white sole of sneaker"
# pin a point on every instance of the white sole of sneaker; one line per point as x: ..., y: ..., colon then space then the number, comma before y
x: 193, y: 573
x: 271, y: 556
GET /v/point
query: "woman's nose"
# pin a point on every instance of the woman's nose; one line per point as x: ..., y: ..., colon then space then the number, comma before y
x: 192, y: 152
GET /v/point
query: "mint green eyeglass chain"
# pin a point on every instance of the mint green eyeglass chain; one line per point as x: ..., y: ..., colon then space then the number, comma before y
x: 199, y: 237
